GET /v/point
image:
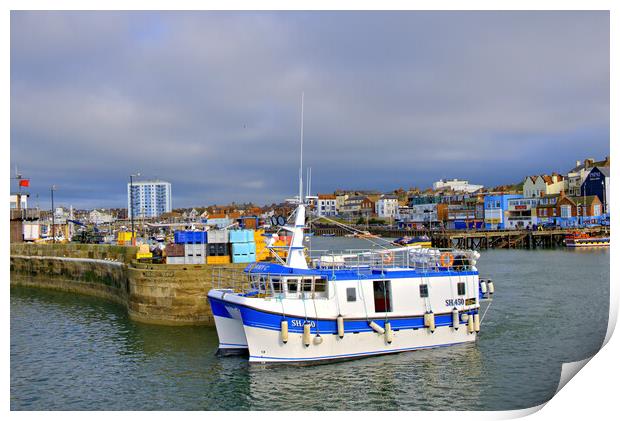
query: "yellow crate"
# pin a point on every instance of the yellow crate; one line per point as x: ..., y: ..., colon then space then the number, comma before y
x: 218, y: 260
x: 148, y: 255
x: 124, y: 236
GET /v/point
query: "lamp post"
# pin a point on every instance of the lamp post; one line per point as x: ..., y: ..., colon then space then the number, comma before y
x: 133, y: 234
x: 52, y: 189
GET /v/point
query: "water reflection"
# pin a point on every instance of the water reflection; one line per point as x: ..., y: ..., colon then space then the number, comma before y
x: 422, y: 379
x: 71, y: 352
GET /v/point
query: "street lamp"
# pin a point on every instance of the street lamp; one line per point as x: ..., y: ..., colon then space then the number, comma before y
x: 133, y: 234
x: 52, y: 190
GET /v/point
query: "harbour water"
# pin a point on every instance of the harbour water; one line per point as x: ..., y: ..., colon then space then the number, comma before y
x: 71, y: 352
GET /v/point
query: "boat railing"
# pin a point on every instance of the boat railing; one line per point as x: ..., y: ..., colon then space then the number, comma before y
x: 263, y: 284
x: 417, y: 258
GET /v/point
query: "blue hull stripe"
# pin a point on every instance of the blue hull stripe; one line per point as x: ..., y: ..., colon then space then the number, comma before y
x: 358, y: 354
x: 218, y: 308
x: 237, y: 345
x: 264, y: 320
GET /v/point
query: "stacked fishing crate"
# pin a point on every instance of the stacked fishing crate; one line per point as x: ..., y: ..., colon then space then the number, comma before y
x: 175, y: 254
x: 195, y: 246
x: 217, y: 247
x: 242, y: 246
x: 262, y: 252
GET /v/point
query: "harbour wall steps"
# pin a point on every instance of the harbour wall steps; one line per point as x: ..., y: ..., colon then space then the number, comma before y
x: 152, y: 293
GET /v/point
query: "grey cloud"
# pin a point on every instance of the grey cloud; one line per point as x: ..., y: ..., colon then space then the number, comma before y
x: 210, y: 101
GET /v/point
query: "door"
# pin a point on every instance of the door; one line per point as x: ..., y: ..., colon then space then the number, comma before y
x: 383, y: 294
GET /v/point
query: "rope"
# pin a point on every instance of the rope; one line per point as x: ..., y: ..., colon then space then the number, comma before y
x: 485, y: 311
x: 363, y: 297
x: 355, y: 231
x: 315, y: 312
x: 335, y: 294
x: 385, y: 300
x: 303, y: 299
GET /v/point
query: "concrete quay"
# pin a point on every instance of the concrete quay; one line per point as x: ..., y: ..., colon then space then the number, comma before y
x: 152, y: 293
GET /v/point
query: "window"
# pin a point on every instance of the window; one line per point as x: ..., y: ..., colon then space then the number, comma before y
x: 597, y: 210
x: 382, y: 292
x: 276, y: 285
x: 461, y: 288
x: 423, y: 291
x: 351, y: 296
x: 292, y: 285
x: 565, y: 209
x: 306, y: 285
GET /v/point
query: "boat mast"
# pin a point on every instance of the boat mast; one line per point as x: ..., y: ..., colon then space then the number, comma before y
x: 296, y: 257
x: 301, y: 152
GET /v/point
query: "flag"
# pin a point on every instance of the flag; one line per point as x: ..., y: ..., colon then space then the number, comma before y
x: 24, y: 183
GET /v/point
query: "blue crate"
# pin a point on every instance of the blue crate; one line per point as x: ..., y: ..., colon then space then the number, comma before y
x: 243, y: 258
x: 240, y: 248
x: 189, y: 237
x: 237, y: 236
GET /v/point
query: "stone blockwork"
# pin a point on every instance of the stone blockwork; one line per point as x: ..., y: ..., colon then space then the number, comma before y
x: 86, y: 251
x: 157, y: 294
x: 171, y: 294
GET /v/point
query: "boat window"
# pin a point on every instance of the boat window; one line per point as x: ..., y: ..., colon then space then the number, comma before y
x: 382, y: 290
x: 306, y: 284
x: 461, y: 288
x: 320, y: 285
x: 277, y: 285
x: 423, y: 291
x: 351, y: 295
x: 291, y: 285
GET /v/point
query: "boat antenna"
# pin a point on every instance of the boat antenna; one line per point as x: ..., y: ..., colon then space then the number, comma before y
x: 301, y: 152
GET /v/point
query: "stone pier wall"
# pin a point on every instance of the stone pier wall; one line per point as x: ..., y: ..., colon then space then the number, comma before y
x: 156, y: 294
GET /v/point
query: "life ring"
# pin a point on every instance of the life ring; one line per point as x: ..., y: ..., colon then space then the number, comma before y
x: 446, y: 259
x: 388, y: 258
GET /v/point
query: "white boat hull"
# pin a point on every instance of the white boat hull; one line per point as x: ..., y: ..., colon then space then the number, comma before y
x: 231, y: 336
x: 266, y: 346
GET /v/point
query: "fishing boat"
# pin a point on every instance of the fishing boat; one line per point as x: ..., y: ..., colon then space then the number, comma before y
x: 336, y: 306
x: 582, y: 239
x: 328, y: 235
x: 365, y: 234
x: 423, y: 241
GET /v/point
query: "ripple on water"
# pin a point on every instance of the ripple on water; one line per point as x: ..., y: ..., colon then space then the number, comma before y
x: 71, y: 352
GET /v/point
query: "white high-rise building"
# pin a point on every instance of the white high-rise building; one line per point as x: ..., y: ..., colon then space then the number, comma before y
x: 150, y: 198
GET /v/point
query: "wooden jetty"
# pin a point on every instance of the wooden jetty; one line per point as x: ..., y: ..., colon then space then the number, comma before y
x: 478, y: 239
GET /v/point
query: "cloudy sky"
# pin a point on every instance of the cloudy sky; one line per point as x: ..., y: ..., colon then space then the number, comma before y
x: 210, y: 101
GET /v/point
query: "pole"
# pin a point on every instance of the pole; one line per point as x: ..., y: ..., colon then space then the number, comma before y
x: 53, y: 219
x: 131, y: 209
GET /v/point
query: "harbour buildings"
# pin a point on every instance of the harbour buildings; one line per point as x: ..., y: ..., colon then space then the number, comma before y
x: 456, y: 185
x: 597, y: 183
x: 541, y: 185
x: 150, y: 198
x: 496, y: 210
x: 326, y: 205
x: 387, y: 206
